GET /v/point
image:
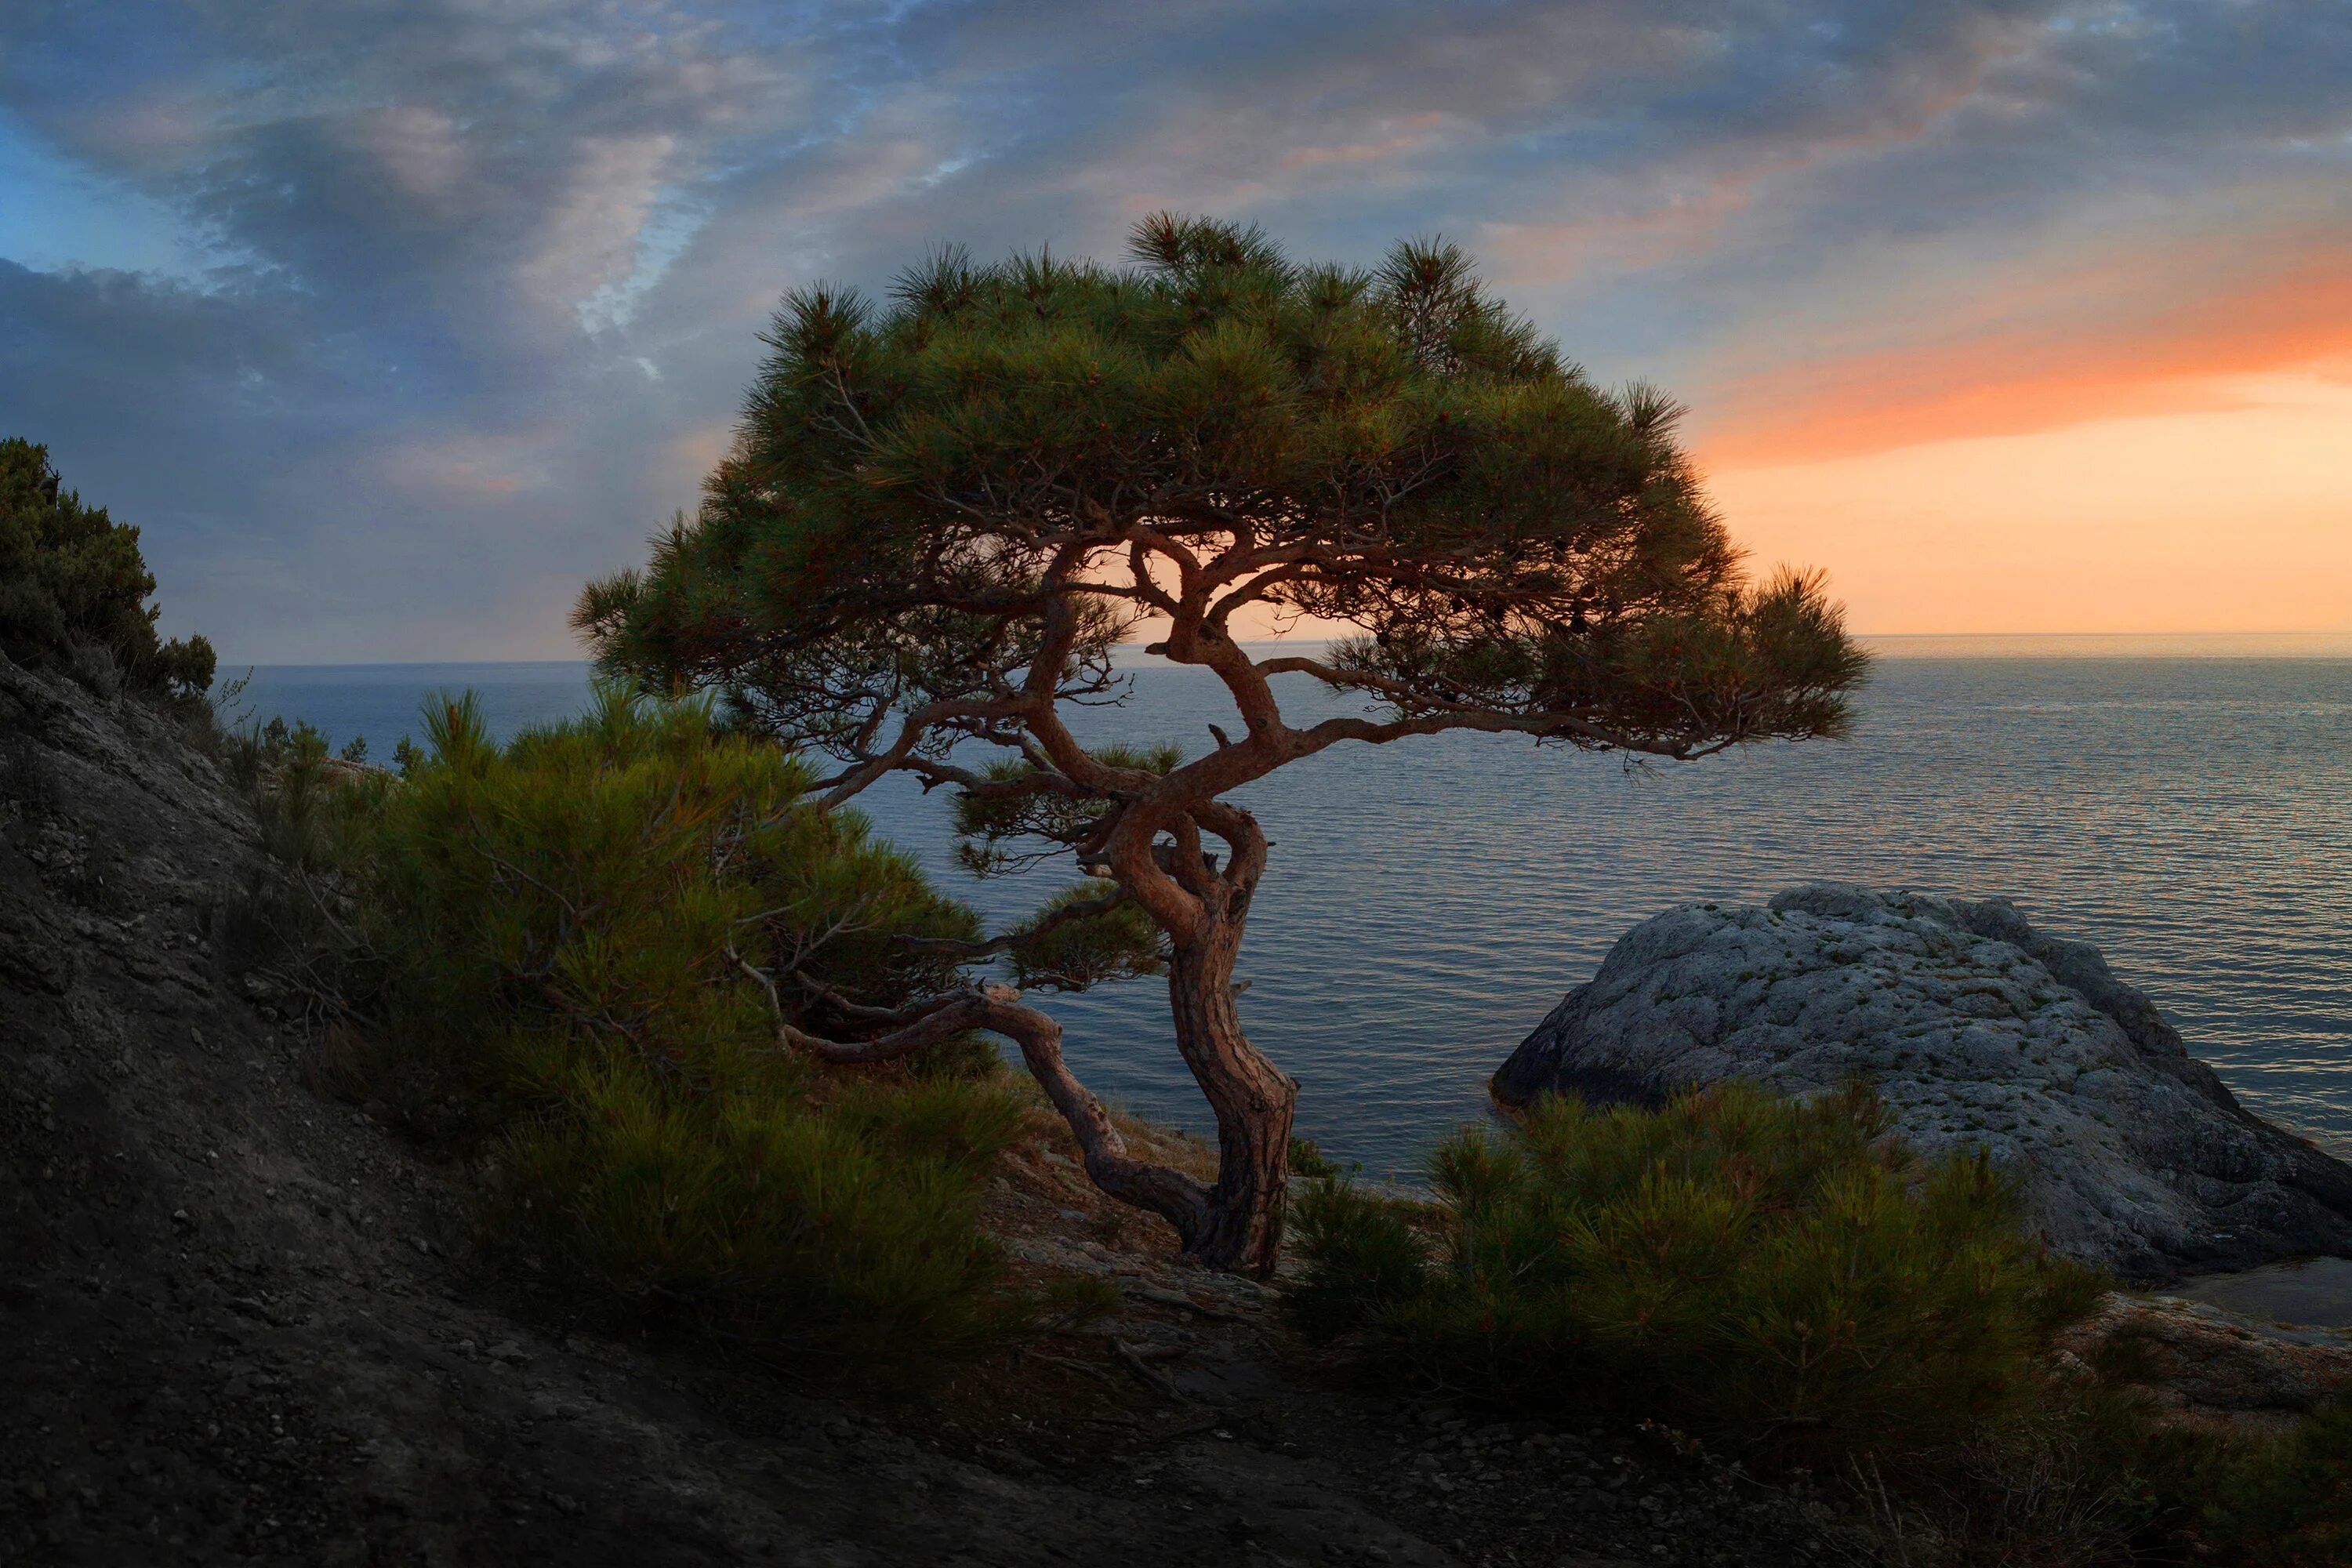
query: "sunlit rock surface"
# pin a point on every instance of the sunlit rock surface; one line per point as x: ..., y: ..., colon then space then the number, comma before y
x: 2197, y: 1361
x: 1977, y: 1030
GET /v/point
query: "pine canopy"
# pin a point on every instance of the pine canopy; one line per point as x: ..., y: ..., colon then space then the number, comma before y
x: 942, y: 513
x: 916, y: 482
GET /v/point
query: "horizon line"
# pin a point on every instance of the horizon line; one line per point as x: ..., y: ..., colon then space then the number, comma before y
x: 2341, y: 634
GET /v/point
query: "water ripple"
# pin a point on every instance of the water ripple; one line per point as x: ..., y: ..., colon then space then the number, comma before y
x: 1429, y: 901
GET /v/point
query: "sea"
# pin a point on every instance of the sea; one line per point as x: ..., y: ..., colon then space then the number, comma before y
x: 2185, y: 804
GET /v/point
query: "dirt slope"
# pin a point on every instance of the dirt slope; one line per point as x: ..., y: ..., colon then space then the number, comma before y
x: 239, y: 1327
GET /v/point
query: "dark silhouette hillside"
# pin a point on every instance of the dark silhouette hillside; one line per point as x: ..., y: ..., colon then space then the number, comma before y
x: 241, y: 1327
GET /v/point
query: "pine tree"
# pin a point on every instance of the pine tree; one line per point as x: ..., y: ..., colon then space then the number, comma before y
x: 943, y: 512
x: 73, y: 584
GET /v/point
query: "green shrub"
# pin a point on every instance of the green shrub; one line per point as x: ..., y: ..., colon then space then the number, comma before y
x: 2097, y: 1473
x: 2277, y: 1502
x: 74, y: 590
x: 552, y: 968
x: 1308, y: 1162
x: 1773, y: 1275
x: 305, y: 803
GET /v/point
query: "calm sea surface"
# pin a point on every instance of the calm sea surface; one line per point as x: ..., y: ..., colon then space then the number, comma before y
x: 1429, y: 901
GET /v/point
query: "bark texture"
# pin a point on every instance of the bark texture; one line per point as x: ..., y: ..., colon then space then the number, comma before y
x: 1254, y: 1101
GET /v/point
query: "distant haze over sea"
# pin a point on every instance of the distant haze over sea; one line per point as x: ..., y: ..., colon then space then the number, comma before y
x: 2111, y: 645
x: 2184, y: 802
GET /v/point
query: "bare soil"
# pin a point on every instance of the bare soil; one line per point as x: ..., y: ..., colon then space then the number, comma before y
x: 241, y: 1324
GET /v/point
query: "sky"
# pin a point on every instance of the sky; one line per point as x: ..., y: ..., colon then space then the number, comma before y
x: 390, y: 322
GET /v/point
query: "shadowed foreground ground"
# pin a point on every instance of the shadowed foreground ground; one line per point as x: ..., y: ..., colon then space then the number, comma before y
x: 240, y: 1328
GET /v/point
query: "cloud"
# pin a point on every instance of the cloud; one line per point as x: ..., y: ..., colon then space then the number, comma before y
x: 1406, y: 136
x: 460, y: 298
x: 420, y: 147
x: 589, y: 241
x: 2171, y: 323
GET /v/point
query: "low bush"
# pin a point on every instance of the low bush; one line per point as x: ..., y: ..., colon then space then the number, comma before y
x: 1772, y: 1275
x: 74, y: 591
x: 1782, y: 1279
x: 1309, y: 1163
x: 2283, y: 1501
x: 552, y: 963
x: 2098, y: 1474
x: 305, y: 802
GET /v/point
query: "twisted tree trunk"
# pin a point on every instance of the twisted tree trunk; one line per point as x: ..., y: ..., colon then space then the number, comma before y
x: 1183, y: 1202
x: 1254, y: 1101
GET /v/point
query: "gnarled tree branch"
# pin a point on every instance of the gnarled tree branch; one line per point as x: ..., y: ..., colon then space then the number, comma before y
x: 1180, y: 1199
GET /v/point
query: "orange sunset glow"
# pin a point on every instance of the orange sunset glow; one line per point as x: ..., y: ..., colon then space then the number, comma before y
x: 2182, y: 464
x: 2108, y: 525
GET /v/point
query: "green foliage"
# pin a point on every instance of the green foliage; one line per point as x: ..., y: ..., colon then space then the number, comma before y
x: 1770, y: 1274
x: 1008, y: 824
x: 74, y: 589
x: 1365, y: 1257
x: 942, y: 513
x: 848, y: 1234
x: 2096, y: 1472
x: 919, y: 486
x: 307, y: 803
x: 1074, y: 954
x: 1308, y: 1162
x: 1781, y: 1278
x: 554, y: 963
x: 2277, y: 1502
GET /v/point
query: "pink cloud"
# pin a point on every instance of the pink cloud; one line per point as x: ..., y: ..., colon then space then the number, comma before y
x: 2139, y: 332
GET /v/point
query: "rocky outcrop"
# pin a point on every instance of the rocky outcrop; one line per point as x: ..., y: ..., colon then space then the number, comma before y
x: 2200, y: 1364
x: 1977, y: 1030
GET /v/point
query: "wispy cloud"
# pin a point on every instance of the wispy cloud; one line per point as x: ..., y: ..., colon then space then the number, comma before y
x: 430, y: 308
x: 2173, y: 323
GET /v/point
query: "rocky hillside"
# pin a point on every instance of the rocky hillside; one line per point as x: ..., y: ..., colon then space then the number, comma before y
x: 241, y: 1327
